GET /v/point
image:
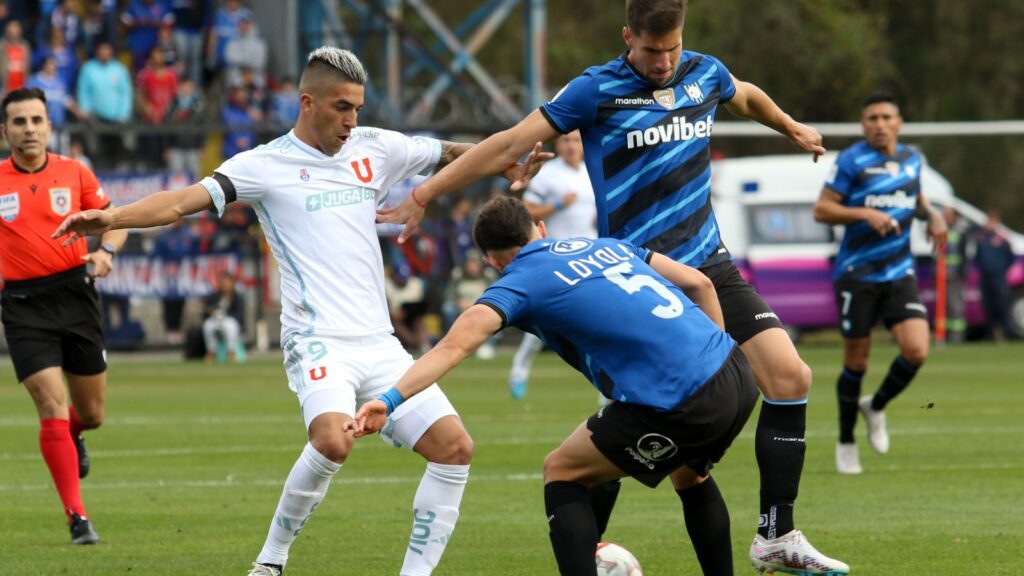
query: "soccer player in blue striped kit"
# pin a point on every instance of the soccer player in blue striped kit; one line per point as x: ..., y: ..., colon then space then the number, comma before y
x: 682, y: 389
x: 875, y: 191
x: 646, y: 118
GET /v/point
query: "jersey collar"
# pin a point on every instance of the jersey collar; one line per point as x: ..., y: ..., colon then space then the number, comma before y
x: 531, y: 247
x: 306, y: 147
x: 46, y: 163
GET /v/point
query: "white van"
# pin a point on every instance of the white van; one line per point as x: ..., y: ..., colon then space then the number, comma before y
x: 764, y: 210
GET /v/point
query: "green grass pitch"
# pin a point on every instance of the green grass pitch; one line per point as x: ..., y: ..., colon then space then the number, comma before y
x: 188, y: 467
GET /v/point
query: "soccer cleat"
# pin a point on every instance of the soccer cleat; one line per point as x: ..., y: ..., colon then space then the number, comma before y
x: 81, y: 531
x: 264, y: 570
x: 517, y: 380
x: 83, y: 457
x: 848, y: 459
x: 793, y: 554
x: 878, y: 435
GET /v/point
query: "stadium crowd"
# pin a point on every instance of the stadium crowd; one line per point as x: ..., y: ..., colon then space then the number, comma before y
x: 156, y: 63
x: 167, y: 70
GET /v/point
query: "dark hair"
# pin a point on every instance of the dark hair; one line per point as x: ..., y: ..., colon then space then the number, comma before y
x: 503, y: 223
x: 655, y: 16
x: 880, y: 97
x: 20, y: 95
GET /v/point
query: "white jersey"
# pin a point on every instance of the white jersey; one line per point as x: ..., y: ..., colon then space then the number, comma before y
x: 553, y: 182
x: 318, y: 214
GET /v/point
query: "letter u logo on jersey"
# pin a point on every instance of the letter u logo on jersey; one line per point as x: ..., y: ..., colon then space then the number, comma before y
x: 359, y: 173
x: 318, y: 373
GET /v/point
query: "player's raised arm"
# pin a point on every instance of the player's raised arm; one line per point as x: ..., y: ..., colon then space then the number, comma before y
x: 473, y: 328
x: 153, y: 210
x: 753, y: 103
x: 497, y: 154
x: 694, y: 283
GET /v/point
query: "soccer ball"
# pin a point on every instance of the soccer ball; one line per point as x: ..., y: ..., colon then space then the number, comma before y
x: 614, y: 560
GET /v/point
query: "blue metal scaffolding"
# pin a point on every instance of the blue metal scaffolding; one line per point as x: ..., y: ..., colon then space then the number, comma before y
x: 424, y: 73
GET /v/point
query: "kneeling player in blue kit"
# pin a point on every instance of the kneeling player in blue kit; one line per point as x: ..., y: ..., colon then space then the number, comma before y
x: 647, y: 332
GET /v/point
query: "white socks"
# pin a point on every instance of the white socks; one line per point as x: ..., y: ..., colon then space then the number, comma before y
x: 303, y: 490
x: 523, y: 359
x: 435, y: 511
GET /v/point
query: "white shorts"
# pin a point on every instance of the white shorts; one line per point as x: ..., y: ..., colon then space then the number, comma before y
x: 332, y: 374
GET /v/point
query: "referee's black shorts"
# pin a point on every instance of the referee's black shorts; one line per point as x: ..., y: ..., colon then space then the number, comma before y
x: 54, y: 321
x: 648, y: 444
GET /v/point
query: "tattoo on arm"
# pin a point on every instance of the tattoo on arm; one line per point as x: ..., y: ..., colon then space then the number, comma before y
x: 450, y: 151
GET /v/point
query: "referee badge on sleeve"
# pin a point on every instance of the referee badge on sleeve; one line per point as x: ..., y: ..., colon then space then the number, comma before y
x: 10, y: 205
x: 60, y: 201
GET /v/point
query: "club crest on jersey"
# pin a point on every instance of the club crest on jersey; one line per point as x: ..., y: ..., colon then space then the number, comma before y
x: 60, y: 201
x: 893, y: 168
x: 694, y: 92
x: 570, y: 247
x: 303, y: 174
x: 10, y: 205
x: 365, y: 174
x: 666, y: 97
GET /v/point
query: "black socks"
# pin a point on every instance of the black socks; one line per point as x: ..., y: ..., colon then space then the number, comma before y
x: 779, y: 446
x: 707, y: 523
x: 848, y: 393
x: 572, y: 528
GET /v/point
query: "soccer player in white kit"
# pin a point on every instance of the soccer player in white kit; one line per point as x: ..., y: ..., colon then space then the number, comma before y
x: 316, y: 191
x: 562, y: 196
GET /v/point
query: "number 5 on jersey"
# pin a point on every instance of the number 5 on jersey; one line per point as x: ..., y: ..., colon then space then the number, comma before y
x: 637, y: 282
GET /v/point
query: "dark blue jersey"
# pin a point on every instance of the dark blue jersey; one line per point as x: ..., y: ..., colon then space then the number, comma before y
x: 863, y: 176
x: 606, y: 312
x: 647, y: 150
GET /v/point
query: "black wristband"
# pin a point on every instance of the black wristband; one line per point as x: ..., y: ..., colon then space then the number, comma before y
x: 109, y: 249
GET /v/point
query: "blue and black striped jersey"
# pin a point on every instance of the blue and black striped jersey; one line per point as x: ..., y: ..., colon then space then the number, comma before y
x: 863, y: 176
x: 647, y: 149
x: 605, y: 311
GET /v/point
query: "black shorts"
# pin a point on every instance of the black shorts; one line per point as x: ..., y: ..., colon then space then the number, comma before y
x: 746, y: 314
x: 648, y: 444
x: 861, y: 304
x: 54, y: 321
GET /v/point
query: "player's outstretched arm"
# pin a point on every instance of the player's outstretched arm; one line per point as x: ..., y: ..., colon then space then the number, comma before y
x: 752, y: 102
x: 153, y: 210
x: 473, y: 328
x: 497, y: 154
x: 693, y: 283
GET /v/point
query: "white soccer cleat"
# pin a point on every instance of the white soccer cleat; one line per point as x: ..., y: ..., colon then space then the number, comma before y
x: 878, y: 434
x: 263, y: 570
x: 793, y: 554
x: 848, y: 459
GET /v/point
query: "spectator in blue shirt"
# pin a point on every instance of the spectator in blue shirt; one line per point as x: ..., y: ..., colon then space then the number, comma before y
x: 284, y: 106
x: 65, y: 57
x: 995, y: 256
x: 238, y: 123
x: 105, y: 87
x: 105, y: 95
x: 58, y: 100
x: 65, y: 18
x: 225, y: 28
x: 143, y: 19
